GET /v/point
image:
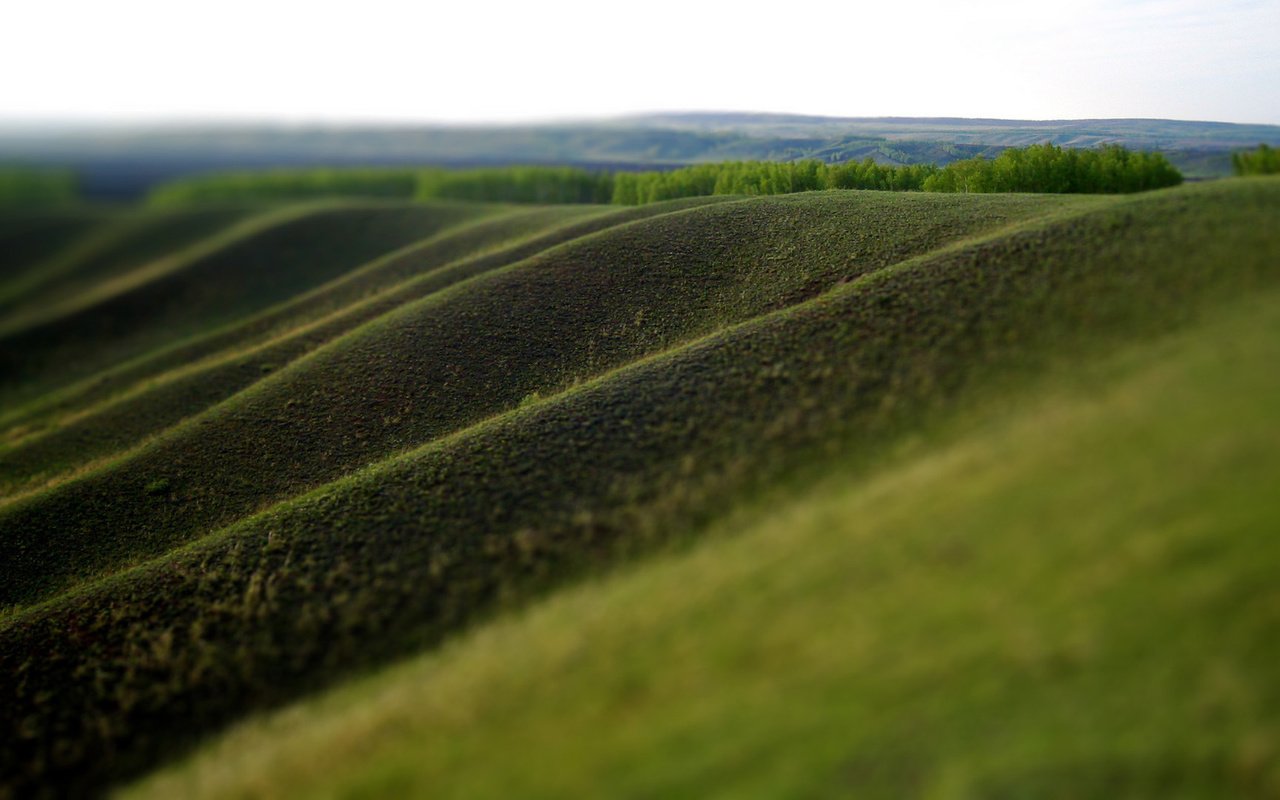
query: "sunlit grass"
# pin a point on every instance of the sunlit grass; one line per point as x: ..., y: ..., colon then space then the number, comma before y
x: 1069, y: 598
x: 383, y: 460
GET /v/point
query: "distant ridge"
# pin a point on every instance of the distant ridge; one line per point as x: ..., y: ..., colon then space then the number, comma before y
x: 756, y: 117
x: 120, y: 162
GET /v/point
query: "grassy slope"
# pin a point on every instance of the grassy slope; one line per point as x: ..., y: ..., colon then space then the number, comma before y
x: 270, y: 261
x: 244, y: 352
x: 1073, y: 597
x: 493, y: 241
x: 72, y: 444
x: 29, y: 241
x: 453, y: 358
x: 125, y: 244
x: 408, y: 550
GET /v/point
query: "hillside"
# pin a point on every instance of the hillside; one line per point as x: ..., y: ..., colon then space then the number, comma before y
x: 289, y: 445
x: 1033, y: 629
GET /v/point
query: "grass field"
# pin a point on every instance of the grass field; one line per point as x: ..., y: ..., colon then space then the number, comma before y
x: 56, y: 285
x: 880, y: 444
x: 1033, y: 605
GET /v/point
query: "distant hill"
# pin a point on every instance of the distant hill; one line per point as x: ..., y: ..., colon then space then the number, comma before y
x: 1134, y: 133
x: 125, y: 162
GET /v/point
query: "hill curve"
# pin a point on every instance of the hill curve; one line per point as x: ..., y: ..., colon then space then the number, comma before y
x: 245, y: 269
x: 427, y: 369
x: 1043, y: 600
x: 663, y: 431
x: 245, y: 352
x: 125, y: 244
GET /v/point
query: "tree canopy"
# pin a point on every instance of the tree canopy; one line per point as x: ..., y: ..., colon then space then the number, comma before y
x: 1038, y: 168
x: 1263, y: 161
x: 33, y: 187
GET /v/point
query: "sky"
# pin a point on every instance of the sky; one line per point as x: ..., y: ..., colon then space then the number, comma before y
x: 470, y: 60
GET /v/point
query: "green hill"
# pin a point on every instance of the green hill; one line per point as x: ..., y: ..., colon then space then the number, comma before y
x: 378, y: 390
x: 1034, y: 606
x: 266, y: 260
x: 116, y: 249
x: 319, y: 440
x: 29, y: 240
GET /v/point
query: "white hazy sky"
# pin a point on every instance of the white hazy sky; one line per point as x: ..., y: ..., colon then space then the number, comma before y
x: 543, y: 59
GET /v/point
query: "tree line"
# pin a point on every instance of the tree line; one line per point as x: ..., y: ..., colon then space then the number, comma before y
x: 33, y: 187
x: 1055, y: 170
x: 286, y: 184
x: 1037, y: 168
x: 1263, y: 161
x: 516, y: 185
x: 495, y: 185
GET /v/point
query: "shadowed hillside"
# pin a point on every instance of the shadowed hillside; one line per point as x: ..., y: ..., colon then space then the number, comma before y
x: 115, y: 249
x: 250, y: 351
x: 498, y: 234
x: 435, y: 412
x: 255, y: 265
x: 1001, y: 613
x: 29, y: 240
x: 456, y: 357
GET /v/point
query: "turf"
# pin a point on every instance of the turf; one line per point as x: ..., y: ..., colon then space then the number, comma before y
x: 112, y: 249
x: 81, y: 430
x: 28, y: 241
x: 75, y: 431
x: 1070, y: 595
x: 273, y: 260
x: 484, y: 441
x: 422, y: 371
x: 494, y: 240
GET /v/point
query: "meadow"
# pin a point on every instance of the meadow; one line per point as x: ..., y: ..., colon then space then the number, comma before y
x: 933, y: 493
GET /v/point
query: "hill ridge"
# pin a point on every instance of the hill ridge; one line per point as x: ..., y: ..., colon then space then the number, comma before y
x: 783, y: 357
x: 203, y: 345
x: 563, y: 392
x: 298, y: 395
x: 23, y: 460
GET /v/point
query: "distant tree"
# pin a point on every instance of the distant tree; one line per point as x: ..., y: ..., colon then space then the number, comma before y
x: 1052, y: 169
x: 33, y: 187
x: 1038, y: 168
x: 286, y: 184
x: 1263, y: 161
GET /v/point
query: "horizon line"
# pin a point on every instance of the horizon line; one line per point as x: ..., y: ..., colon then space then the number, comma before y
x: 179, y: 121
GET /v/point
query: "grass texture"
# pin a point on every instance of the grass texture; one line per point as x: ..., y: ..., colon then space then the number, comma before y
x: 1066, y: 595
x: 437, y: 413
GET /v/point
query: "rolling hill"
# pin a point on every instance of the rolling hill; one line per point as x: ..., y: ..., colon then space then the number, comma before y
x: 1037, y: 606
x: 249, y: 453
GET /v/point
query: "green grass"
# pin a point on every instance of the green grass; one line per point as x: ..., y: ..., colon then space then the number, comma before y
x: 116, y: 248
x: 179, y: 381
x: 75, y: 431
x: 29, y: 240
x: 491, y: 426
x: 27, y: 187
x: 1067, y: 595
x: 378, y: 390
x: 213, y: 283
x: 495, y: 239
